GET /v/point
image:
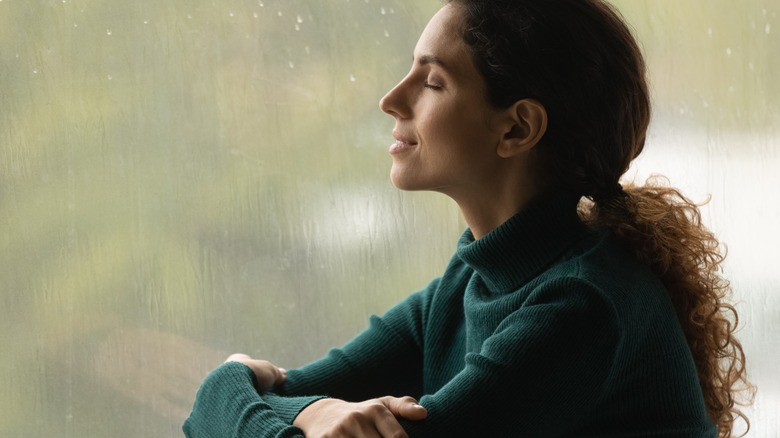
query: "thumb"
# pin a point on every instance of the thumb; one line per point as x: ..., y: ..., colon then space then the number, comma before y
x: 405, y: 407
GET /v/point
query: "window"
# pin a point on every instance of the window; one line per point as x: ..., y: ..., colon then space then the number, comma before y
x: 185, y: 179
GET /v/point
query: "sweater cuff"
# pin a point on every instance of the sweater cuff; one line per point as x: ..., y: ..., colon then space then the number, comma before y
x: 287, y: 408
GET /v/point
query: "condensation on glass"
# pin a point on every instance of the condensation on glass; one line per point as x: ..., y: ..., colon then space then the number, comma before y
x: 184, y: 179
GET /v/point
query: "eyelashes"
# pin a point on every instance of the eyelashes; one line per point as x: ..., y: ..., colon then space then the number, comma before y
x: 432, y: 86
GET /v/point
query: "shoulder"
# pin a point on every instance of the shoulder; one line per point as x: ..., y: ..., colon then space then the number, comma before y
x: 598, y: 271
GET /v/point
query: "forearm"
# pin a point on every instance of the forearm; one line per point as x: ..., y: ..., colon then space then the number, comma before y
x: 227, y: 405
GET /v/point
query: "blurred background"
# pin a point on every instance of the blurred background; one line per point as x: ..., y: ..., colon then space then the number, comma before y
x: 180, y: 180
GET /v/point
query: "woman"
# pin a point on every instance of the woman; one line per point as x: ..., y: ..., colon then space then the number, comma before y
x: 572, y: 306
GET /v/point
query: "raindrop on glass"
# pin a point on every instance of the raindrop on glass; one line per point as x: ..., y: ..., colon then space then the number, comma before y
x: 352, y: 78
x: 108, y: 32
x: 299, y: 19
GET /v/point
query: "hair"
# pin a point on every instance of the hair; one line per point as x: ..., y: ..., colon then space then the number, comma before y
x: 580, y: 60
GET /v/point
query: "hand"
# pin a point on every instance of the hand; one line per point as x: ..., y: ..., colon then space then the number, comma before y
x: 267, y: 374
x: 371, y: 419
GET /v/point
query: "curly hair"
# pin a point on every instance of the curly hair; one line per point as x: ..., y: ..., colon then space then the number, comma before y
x: 580, y: 60
x: 664, y: 230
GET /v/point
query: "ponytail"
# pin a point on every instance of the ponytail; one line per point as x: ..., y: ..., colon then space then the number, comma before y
x: 663, y: 229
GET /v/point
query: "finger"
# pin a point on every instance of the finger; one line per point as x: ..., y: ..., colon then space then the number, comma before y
x: 383, y: 423
x: 405, y: 407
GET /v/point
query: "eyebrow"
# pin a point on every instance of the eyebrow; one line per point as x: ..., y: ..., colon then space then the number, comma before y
x: 430, y: 59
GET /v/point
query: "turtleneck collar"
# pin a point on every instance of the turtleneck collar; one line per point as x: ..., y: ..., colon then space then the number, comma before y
x: 519, y: 249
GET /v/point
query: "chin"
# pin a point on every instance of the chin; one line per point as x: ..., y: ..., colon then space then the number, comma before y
x: 404, y: 183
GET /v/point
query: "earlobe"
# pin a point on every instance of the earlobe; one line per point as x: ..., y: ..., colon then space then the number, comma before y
x: 526, y: 125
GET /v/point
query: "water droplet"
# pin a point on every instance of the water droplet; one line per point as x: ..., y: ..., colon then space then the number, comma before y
x: 297, y: 26
x: 728, y: 51
x: 35, y: 71
x: 231, y: 14
x: 254, y: 14
x: 709, y: 32
x: 146, y: 21
x: 352, y: 78
x: 299, y: 19
x: 291, y: 64
x: 751, y: 66
x: 109, y: 77
x: 108, y: 32
x: 279, y: 13
x: 768, y: 28
x: 261, y: 4
x: 75, y: 25
x: 387, y: 34
x: 382, y: 10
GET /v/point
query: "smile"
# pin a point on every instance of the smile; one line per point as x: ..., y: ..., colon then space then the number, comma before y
x: 401, y: 146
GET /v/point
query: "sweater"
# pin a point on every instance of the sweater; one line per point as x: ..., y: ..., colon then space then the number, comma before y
x: 541, y: 328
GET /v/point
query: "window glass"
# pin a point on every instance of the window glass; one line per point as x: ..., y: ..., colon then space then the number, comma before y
x: 180, y: 180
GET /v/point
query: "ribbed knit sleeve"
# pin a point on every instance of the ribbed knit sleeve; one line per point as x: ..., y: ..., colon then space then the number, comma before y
x: 227, y: 405
x: 385, y: 359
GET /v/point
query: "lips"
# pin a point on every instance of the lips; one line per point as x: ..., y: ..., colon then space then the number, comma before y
x: 402, y: 143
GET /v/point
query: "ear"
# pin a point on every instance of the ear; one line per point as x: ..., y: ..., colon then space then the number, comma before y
x: 526, y: 124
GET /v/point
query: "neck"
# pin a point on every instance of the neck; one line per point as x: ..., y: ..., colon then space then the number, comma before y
x: 485, y: 213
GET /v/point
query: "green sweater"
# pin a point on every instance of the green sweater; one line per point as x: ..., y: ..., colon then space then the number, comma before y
x: 542, y: 328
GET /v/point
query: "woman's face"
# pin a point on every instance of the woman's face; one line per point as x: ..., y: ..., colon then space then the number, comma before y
x: 446, y: 132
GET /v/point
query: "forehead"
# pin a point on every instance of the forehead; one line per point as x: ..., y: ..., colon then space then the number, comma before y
x: 442, y: 38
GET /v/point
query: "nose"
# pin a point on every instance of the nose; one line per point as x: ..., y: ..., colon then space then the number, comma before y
x: 394, y: 102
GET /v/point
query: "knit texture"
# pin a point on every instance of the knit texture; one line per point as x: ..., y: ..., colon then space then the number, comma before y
x: 542, y: 328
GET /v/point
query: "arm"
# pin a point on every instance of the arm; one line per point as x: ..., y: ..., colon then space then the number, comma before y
x: 384, y: 359
x: 537, y: 375
x: 227, y: 405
